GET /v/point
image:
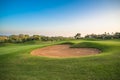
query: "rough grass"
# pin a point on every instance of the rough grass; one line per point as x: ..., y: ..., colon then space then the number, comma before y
x: 16, y: 63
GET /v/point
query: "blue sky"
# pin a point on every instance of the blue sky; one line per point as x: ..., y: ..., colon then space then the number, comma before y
x: 59, y: 17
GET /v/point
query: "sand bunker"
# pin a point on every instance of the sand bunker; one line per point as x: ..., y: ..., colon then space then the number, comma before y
x: 64, y: 51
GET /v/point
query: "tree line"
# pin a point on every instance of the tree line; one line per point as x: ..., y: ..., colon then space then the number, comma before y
x: 115, y: 35
x: 104, y: 36
x: 21, y: 38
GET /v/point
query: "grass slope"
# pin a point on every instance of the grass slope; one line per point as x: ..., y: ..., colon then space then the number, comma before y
x: 16, y: 63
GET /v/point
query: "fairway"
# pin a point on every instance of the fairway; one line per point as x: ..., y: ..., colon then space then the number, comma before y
x: 16, y: 62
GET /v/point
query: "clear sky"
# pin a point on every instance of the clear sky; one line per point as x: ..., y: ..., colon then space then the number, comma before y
x: 59, y: 17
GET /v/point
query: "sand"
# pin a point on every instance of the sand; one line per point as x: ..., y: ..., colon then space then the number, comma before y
x: 64, y: 51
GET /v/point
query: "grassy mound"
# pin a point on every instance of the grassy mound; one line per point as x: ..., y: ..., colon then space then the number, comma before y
x: 69, y: 43
x: 90, y: 45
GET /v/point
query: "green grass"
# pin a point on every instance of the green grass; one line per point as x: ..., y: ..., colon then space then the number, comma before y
x: 99, y: 46
x: 16, y: 63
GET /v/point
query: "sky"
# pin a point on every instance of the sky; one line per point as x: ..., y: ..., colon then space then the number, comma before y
x: 59, y: 17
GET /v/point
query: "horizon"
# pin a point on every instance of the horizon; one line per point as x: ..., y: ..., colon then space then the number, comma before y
x: 59, y: 17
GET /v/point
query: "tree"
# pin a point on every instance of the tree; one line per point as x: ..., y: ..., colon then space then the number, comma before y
x: 3, y: 39
x: 77, y: 36
x: 117, y: 35
x: 36, y: 37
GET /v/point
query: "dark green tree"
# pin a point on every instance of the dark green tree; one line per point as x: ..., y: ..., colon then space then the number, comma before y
x: 77, y: 36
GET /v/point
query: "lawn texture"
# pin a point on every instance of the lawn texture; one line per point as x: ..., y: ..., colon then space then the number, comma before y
x: 16, y: 62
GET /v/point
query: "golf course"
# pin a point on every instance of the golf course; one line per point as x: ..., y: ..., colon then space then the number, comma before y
x: 59, y: 39
x: 17, y: 63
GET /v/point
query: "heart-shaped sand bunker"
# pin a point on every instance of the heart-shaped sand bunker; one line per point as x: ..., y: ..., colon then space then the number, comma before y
x: 64, y: 51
